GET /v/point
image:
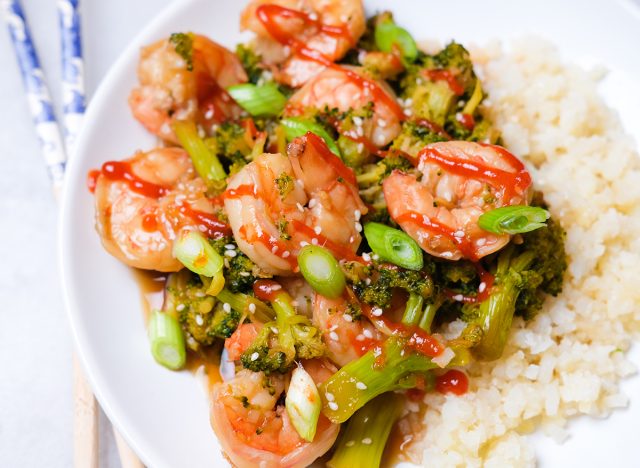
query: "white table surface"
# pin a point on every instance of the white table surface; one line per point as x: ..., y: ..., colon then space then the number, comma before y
x: 36, y: 427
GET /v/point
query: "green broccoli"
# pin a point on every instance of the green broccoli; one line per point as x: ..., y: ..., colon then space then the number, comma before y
x: 524, y: 273
x: 378, y: 290
x: 370, y: 178
x: 283, y: 341
x: 183, y: 43
x: 239, y: 271
x: 203, y: 318
x: 250, y: 62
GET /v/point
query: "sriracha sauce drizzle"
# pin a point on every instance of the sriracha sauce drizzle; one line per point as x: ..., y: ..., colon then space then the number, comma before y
x: 267, y: 290
x: 453, y: 381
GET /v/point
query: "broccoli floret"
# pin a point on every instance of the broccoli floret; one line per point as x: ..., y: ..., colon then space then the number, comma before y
x: 370, y: 180
x: 379, y: 290
x: 524, y: 273
x: 203, y: 318
x: 282, y: 342
x: 239, y: 271
x: 183, y: 43
x: 250, y: 62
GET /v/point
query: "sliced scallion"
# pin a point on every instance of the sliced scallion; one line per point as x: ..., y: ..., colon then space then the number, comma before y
x: 388, y: 34
x: 321, y: 270
x: 303, y: 403
x: 167, y: 341
x: 515, y: 219
x: 295, y: 127
x: 195, y: 253
x: 206, y: 162
x: 259, y: 101
x: 394, y: 246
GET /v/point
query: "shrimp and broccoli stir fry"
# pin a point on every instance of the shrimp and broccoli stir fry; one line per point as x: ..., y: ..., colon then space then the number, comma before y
x: 324, y: 201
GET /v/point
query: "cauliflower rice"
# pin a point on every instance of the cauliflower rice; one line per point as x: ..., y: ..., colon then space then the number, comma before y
x: 568, y: 360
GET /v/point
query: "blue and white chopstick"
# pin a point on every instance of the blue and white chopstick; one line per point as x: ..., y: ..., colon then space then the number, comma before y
x: 73, y: 94
x: 38, y: 95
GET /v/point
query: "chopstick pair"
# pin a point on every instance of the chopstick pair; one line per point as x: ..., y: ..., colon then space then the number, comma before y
x: 55, y: 151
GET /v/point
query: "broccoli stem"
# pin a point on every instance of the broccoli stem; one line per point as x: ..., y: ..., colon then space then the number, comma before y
x: 429, y: 314
x: 363, y: 441
x: 242, y: 303
x: 413, y: 310
x: 361, y: 380
x: 495, y: 314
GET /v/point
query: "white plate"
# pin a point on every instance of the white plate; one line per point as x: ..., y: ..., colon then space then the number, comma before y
x: 164, y: 415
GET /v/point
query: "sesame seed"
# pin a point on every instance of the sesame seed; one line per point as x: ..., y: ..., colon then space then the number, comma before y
x: 361, y: 386
x: 230, y: 253
x: 358, y: 227
x: 367, y: 441
x: 244, y: 273
x: 358, y: 121
x: 300, y: 207
x: 202, y: 228
x: 314, y: 241
x: 360, y: 147
x: 366, y: 257
x: 357, y: 214
x: 376, y: 311
x: 329, y: 396
x: 350, y: 443
x: 180, y: 307
x: 360, y: 131
x: 458, y: 234
x: 367, y: 333
x: 286, y: 254
x: 408, y: 112
x: 252, y: 307
x: 313, y: 202
x: 375, y: 257
x: 317, y: 230
x: 226, y: 307
x: 199, y: 320
x: 382, y: 123
x: 313, y: 16
x: 274, y: 330
x: 348, y: 317
x: 360, y: 337
x: 334, y: 336
x: 333, y: 327
x: 351, y: 239
x: 208, y: 114
x: 255, y: 356
x: 199, y: 294
x: 333, y: 406
x: 482, y: 287
x: 481, y: 242
x: 274, y: 249
x: 230, y: 246
x: 458, y: 297
x: 303, y: 243
x: 367, y: 281
x: 295, y: 303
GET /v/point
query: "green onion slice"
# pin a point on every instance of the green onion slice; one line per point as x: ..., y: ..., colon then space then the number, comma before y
x: 388, y: 34
x: 393, y: 245
x: 295, y: 127
x: 303, y: 403
x: 514, y: 219
x: 206, y: 162
x: 194, y: 252
x: 167, y: 341
x: 322, y: 271
x: 259, y: 101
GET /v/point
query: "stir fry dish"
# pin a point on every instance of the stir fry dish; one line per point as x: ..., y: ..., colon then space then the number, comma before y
x: 324, y: 200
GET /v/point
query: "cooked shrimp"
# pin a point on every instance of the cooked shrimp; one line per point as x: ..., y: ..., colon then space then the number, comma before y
x: 171, y: 88
x: 143, y: 202
x: 254, y: 428
x: 329, y: 27
x: 460, y: 181
x: 346, y: 339
x: 277, y: 204
x: 348, y: 89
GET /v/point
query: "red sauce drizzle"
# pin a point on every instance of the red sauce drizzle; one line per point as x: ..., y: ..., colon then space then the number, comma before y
x: 453, y: 381
x: 209, y: 224
x: 433, y: 127
x: 463, y: 243
x: 466, y: 120
x: 92, y: 179
x: 334, y: 161
x: 419, y: 340
x: 276, y: 247
x: 267, y: 14
x: 445, y: 75
x: 121, y: 171
x: 267, y: 290
x: 338, y: 250
x: 510, y: 182
x: 240, y: 191
x: 150, y: 222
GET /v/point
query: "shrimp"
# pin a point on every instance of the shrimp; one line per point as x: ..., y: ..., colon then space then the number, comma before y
x: 253, y: 426
x: 143, y: 202
x: 187, y: 86
x: 346, y: 89
x: 460, y: 181
x: 346, y: 339
x: 327, y: 27
x: 277, y: 204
